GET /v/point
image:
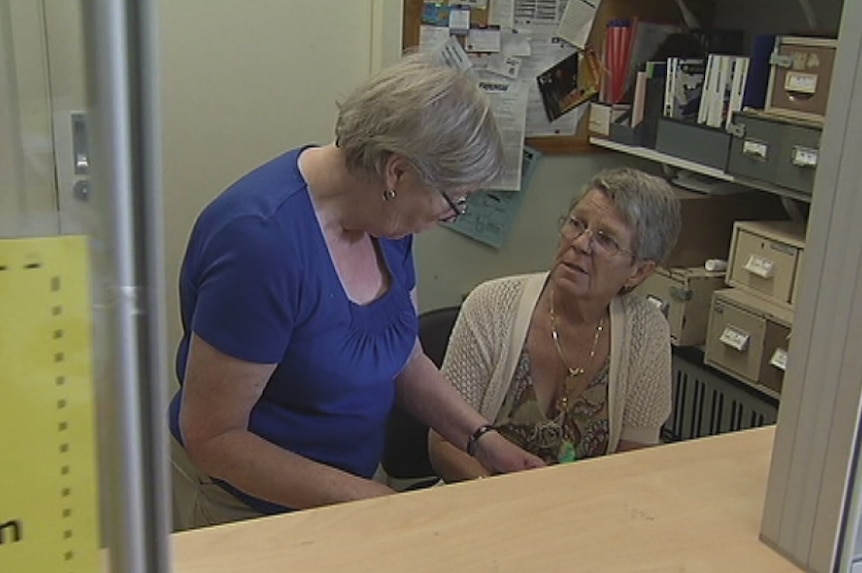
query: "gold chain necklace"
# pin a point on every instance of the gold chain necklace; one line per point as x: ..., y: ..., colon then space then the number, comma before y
x: 572, y: 372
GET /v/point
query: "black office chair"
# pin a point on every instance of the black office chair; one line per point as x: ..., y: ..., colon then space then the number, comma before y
x: 405, y: 454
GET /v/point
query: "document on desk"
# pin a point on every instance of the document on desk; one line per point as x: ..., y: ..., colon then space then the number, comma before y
x: 509, y: 102
x: 491, y: 213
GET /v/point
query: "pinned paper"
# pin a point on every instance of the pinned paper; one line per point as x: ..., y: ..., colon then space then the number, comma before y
x: 491, y: 214
x: 539, y: 26
x: 432, y: 37
x: 509, y: 104
x: 577, y: 21
x: 515, y: 43
x: 506, y: 66
x: 483, y: 40
x: 502, y: 13
x: 459, y: 20
x: 451, y: 54
x: 560, y: 90
x: 435, y: 14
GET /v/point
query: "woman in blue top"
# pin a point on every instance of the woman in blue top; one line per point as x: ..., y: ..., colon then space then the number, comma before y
x: 298, y: 304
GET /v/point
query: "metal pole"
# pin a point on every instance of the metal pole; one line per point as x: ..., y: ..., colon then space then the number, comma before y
x: 122, y: 71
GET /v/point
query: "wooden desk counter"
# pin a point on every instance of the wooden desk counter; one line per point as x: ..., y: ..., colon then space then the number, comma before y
x: 693, y: 506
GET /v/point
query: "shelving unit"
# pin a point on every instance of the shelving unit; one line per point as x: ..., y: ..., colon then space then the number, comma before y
x: 696, y: 367
x: 659, y: 157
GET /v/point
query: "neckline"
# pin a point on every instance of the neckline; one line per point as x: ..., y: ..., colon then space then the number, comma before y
x: 529, y: 385
x: 332, y: 269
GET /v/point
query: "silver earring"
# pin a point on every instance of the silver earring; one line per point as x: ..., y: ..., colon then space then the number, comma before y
x: 389, y: 195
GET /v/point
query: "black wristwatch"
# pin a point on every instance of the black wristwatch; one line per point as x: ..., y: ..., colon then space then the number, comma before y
x: 473, y: 440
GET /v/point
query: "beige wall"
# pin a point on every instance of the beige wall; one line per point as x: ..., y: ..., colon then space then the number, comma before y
x: 244, y: 81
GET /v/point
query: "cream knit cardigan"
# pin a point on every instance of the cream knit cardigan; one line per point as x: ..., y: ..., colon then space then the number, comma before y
x: 491, y: 330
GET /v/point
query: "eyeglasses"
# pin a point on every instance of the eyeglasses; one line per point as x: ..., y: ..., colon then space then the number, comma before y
x: 600, y: 242
x: 458, y: 207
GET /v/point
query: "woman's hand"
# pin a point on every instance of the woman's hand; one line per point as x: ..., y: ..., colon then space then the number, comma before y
x: 499, y: 455
x: 494, y: 454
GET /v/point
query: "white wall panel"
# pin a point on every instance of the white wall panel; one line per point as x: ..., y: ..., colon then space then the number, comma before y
x: 244, y: 81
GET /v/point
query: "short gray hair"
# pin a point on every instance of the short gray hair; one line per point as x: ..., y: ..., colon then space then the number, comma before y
x: 434, y: 116
x: 647, y: 204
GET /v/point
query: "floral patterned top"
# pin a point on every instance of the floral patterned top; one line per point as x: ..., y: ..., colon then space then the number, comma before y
x: 557, y: 436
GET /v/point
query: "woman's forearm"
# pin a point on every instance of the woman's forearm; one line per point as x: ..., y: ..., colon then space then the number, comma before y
x: 450, y: 463
x: 431, y: 399
x: 266, y: 471
x: 218, y: 396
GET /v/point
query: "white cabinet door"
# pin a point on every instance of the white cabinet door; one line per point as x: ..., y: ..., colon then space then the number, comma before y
x: 41, y: 85
x: 79, y: 213
x: 27, y: 191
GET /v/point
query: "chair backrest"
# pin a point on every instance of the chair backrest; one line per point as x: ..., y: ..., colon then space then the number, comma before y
x: 435, y: 326
x: 405, y: 454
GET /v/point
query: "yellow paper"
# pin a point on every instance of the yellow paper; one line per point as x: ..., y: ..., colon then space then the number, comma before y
x: 48, y: 490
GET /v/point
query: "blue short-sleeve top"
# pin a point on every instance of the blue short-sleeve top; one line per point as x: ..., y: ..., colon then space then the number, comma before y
x: 257, y: 283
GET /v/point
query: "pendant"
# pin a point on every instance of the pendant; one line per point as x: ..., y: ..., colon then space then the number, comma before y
x: 575, y: 372
x: 563, y: 403
x: 567, y: 452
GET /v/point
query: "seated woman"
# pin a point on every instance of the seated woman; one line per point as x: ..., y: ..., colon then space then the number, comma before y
x: 567, y: 363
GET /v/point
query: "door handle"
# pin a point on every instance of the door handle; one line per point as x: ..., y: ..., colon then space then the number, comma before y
x: 80, y: 148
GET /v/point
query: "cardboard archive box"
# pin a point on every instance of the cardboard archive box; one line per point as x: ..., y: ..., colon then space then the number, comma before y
x: 747, y: 338
x: 764, y: 258
x: 683, y: 295
x: 800, y: 76
x: 707, y: 223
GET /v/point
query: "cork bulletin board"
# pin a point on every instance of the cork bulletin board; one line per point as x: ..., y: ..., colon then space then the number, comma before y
x: 655, y: 10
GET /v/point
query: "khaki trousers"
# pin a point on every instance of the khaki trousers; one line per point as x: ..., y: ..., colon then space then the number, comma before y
x: 197, y: 501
